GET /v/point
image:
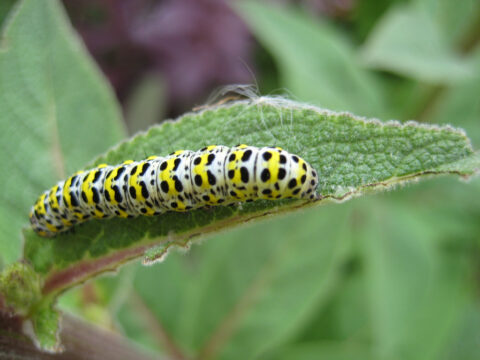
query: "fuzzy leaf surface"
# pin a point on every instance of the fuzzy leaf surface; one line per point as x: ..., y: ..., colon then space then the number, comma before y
x: 352, y: 155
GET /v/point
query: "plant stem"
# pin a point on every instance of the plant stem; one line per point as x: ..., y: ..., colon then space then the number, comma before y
x: 80, y: 340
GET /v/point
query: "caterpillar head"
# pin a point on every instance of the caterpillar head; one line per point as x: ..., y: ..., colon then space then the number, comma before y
x: 303, y: 180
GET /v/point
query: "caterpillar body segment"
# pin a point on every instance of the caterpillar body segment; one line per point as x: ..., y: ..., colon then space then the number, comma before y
x: 182, y: 181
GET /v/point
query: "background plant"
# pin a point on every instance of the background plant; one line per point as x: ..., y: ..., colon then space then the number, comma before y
x: 400, y: 273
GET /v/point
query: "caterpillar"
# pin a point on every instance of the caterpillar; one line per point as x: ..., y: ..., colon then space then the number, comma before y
x: 184, y: 180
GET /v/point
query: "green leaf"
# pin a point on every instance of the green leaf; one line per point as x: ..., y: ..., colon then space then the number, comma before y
x: 246, y: 292
x: 454, y: 18
x: 465, y: 345
x: 352, y: 155
x: 5, y: 7
x: 418, y: 283
x: 408, y: 42
x: 325, y: 351
x: 366, y: 13
x: 345, y: 317
x: 46, y: 327
x: 56, y: 111
x: 317, y: 63
x: 460, y: 104
x: 425, y: 281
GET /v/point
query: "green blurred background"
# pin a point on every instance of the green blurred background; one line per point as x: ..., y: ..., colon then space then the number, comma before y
x: 392, y: 276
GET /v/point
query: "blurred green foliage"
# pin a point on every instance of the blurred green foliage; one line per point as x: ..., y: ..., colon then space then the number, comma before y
x: 395, y: 276
x: 51, y: 124
x: 406, y: 283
